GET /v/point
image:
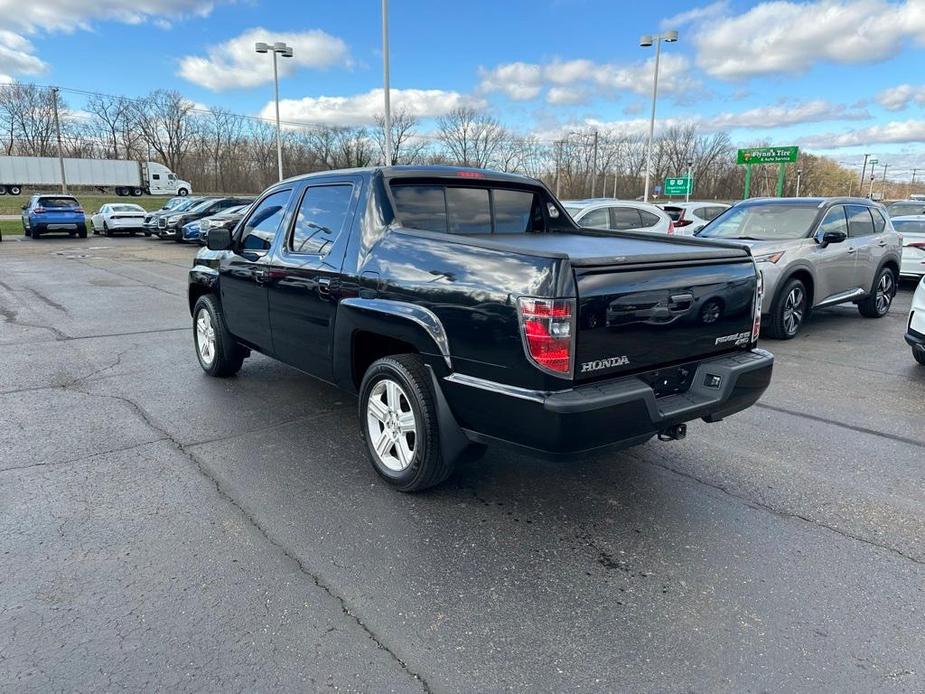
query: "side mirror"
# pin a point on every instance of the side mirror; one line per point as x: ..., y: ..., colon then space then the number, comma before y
x: 25, y: 207
x: 831, y: 237
x: 219, y: 239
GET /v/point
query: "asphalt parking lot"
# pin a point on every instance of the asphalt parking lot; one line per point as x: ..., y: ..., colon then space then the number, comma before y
x: 164, y: 530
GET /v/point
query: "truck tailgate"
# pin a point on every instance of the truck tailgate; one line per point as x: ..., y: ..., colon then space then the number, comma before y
x: 644, y: 317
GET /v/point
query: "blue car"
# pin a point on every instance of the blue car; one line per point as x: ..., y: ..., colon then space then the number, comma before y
x: 46, y: 213
x: 190, y: 231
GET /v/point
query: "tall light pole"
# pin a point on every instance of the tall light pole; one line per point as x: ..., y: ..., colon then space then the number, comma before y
x: 883, y: 193
x: 286, y: 51
x: 54, y: 103
x: 799, y: 177
x: 386, y: 91
x: 646, y: 41
x: 690, y: 181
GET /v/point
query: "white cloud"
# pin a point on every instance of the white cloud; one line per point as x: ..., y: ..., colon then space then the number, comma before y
x: 361, y: 109
x: 234, y: 64
x: 781, y: 115
x: 20, y: 19
x: 17, y: 55
x: 789, y: 37
x: 569, y: 81
x: 67, y: 15
x: 563, y: 96
x: 899, y: 97
x: 696, y: 15
x: 6, y: 79
x: 908, y: 131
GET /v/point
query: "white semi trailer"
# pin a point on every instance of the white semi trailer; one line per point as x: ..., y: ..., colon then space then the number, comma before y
x: 123, y: 177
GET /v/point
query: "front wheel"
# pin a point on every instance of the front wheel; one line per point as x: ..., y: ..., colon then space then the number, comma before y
x: 183, y: 192
x: 219, y: 355
x: 789, y: 311
x: 878, y: 302
x: 919, y: 356
x: 398, y: 419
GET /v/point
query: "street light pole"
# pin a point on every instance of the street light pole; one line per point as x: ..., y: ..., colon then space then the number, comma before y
x: 799, y: 176
x: 594, y: 167
x: 286, y: 51
x: 883, y: 193
x: 54, y: 98
x: 863, y: 171
x: 386, y: 91
x: 645, y: 42
x: 690, y: 182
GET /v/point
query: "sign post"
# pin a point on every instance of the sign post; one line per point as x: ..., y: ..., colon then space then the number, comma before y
x: 680, y: 185
x: 767, y: 155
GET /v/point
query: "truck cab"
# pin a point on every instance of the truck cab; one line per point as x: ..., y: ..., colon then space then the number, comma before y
x: 162, y: 181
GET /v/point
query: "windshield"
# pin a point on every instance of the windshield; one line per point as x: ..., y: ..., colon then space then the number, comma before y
x: 772, y: 222
x: 186, y: 204
x: 909, y: 226
x: 201, y: 205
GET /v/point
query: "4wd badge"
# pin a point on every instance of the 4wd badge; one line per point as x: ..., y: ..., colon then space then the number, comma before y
x: 608, y: 363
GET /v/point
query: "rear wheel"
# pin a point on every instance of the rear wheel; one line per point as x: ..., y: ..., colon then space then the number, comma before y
x: 218, y: 353
x: 82, y: 231
x: 106, y: 231
x: 37, y: 231
x: 136, y: 192
x: 789, y: 311
x: 398, y: 419
x: 919, y: 356
x: 878, y: 302
x: 13, y: 190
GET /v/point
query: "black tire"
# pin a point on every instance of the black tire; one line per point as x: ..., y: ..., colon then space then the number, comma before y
x: 13, y: 190
x: 426, y: 466
x: 878, y: 302
x: 227, y: 355
x: 136, y: 192
x: 789, y: 311
x: 178, y: 236
x: 37, y: 231
x: 919, y: 356
x: 26, y: 230
x: 183, y: 192
x: 132, y: 232
x: 82, y: 231
x: 106, y: 231
x: 148, y: 234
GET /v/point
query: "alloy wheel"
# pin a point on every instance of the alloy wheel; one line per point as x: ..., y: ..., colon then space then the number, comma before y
x: 391, y: 425
x: 794, y: 308
x: 885, y: 292
x: 205, y: 337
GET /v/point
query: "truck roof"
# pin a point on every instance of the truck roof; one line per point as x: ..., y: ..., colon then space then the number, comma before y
x: 404, y: 171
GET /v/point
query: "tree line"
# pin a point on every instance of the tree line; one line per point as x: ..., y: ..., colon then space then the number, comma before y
x: 221, y: 151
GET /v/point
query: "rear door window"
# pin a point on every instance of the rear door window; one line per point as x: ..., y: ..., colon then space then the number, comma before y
x: 625, y: 218
x: 860, y: 222
x: 596, y: 219
x: 879, y: 221
x: 514, y: 211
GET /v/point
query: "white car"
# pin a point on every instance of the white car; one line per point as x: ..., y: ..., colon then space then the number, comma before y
x: 915, y: 335
x: 619, y: 215
x: 912, y: 228
x: 690, y: 217
x: 119, y: 216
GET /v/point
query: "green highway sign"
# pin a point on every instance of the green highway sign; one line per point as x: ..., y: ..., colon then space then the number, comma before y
x: 681, y: 185
x: 874, y: 161
x: 767, y: 155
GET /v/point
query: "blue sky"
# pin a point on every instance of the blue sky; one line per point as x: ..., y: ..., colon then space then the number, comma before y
x: 842, y: 77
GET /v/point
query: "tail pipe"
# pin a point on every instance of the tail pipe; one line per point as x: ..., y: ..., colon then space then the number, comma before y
x: 673, y: 433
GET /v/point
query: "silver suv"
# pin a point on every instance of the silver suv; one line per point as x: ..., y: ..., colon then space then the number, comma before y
x: 815, y: 252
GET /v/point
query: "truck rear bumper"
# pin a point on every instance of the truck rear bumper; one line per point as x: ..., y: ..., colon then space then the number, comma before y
x: 620, y: 411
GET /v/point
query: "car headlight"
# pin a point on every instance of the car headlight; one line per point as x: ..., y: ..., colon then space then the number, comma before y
x: 172, y: 221
x: 769, y: 257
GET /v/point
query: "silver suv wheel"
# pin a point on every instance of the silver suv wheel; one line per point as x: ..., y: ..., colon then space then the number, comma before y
x: 794, y: 309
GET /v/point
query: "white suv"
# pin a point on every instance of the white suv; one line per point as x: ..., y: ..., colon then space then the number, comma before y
x: 619, y: 215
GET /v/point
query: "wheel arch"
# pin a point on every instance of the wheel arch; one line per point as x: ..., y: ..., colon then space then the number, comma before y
x: 368, y: 329
x: 202, y: 280
x: 803, y: 273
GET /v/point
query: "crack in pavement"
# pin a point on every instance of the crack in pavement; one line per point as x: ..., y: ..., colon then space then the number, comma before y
x: 128, y: 277
x: 207, y: 473
x: 72, y: 338
x: 83, y: 458
x: 759, y: 505
x: 843, y: 425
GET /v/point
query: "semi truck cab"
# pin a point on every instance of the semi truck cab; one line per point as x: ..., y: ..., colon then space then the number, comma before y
x: 163, y: 181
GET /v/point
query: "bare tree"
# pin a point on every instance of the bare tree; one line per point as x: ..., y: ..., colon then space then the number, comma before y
x: 29, y: 114
x: 407, y: 147
x: 110, y: 114
x: 167, y: 125
x: 471, y: 137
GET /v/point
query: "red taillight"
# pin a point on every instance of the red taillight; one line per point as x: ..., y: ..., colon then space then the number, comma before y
x: 38, y: 210
x: 682, y: 223
x: 759, y: 297
x: 470, y: 174
x: 917, y: 244
x: 79, y: 209
x: 548, y: 332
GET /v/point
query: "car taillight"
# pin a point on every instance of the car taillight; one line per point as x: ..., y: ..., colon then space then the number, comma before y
x: 79, y: 209
x: 683, y: 222
x: 759, y: 297
x: 38, y: 210
x: 917, y: 244
x: 548, y: 332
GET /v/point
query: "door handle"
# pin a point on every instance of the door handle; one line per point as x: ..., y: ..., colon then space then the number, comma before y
x: 261, y: 276
x: 851, y: 251
x: 324, y: 286
x: 882, y: 244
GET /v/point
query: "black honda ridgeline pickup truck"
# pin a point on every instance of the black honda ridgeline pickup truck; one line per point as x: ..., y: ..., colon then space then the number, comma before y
x: 465, y: 308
